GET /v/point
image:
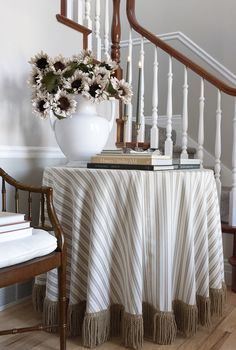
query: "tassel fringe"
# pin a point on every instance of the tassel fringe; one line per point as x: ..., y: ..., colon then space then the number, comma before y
x: 96, y: 328
x: 164, y: 328
x: 50, y: 315
x: 133, y: 331
x: 186, y: 317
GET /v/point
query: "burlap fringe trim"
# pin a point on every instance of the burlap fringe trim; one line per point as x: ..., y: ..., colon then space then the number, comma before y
x: 38, y: 295
x: 96, y: 328
x: 50, y: 315
x: 218, y: 300
x: 186, y: 317
x: 153, y: 324
x: 133, y: 331
x: 75, y: 318
x: 164, y: 328
x: 204, y: 311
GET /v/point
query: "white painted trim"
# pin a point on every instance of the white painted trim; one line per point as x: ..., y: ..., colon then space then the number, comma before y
x: 196, y: 49
x: 29, y: 152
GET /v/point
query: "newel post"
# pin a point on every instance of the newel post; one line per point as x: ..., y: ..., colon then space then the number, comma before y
x: 115, y: 56
x: 115, y: 36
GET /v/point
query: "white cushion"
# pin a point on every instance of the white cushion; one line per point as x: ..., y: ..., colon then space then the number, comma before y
x: 20, y: 250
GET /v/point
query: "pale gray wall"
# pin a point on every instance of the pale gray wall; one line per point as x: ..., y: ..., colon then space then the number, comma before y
x: 27, y: 27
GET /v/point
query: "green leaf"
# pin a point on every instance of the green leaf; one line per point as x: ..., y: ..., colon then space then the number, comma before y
x: 51, y: 82
x: 60, y: 117
x: 110, y: 89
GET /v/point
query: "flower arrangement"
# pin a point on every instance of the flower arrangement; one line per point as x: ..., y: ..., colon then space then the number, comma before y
x: 56, y: 82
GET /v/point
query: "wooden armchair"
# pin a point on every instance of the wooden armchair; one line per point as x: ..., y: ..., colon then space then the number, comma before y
x: 30, y: 262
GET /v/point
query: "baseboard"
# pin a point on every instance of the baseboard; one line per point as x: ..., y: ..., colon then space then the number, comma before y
x: 14, y: 303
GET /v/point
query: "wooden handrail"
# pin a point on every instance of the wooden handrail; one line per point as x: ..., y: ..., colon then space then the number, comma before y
x: 62, y: 18
x: 82, y: 29
x: 130, y: 9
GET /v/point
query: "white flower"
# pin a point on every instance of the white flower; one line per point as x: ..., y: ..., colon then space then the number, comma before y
x: 102, y: 75
x: 77, y: 82
x: 109, y: 65
x: 55, y: 81
x: 58, y: 63
x: 85, y: 56
x: 35, y: 79
x: 63, y: 104
x: 41, y: 105
x: 40, y: 61
x: 95, y: 92
x: 124, y: 90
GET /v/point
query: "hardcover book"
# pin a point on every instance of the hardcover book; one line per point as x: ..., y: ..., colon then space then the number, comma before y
x: 146, y: 167
x: 7, y: 218
x: 187, y: 166
x: 190, y: 161
x: 14, y: 226
x: 132, y: 159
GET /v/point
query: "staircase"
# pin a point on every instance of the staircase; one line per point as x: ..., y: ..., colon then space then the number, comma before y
x: 94, y: 23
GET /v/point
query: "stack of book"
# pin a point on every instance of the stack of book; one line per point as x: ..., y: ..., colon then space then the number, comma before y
x: 13, y: 226
x: 187, y: 163
x: 117, y: 159
x: 144, y: 160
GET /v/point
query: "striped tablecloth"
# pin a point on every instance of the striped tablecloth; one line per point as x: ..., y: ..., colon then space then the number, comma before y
x: 144, y: 253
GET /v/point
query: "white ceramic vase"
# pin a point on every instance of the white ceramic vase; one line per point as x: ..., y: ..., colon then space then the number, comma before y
x: 85, y: 133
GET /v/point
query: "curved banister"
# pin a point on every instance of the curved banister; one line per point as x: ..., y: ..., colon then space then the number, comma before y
x: 130, y: 9
x: 82, y: 29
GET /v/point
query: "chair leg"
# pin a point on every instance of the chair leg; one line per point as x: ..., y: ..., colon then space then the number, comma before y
x: 62, y: 306
x: 232, y: 261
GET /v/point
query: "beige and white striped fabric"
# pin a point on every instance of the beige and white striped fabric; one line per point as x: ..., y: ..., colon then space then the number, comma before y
x: 137, y: 238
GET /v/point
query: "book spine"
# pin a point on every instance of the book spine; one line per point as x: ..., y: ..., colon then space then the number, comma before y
x: 130, y: 160
x: 13, y: 227
x: 121, y: 160
x: 188, y: 166
x: 119, y: 166
x: 11, y: 219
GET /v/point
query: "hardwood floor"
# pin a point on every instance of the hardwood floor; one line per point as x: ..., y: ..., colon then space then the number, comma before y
x: 221, y: 336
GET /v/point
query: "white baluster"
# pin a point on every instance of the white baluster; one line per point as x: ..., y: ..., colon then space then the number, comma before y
x: 168, y: 141
x: 69, y: 9
x: 218, y: 144
x: 201, y: 122
x: 154, y: 137
x: 184, y: 153
x: 106, y: 31
x: 232, y: 208
x: 142, y: 127
x: 80, y: 11
x: 128, y: 123
x: 97, y: 28
x: 88, y: 21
